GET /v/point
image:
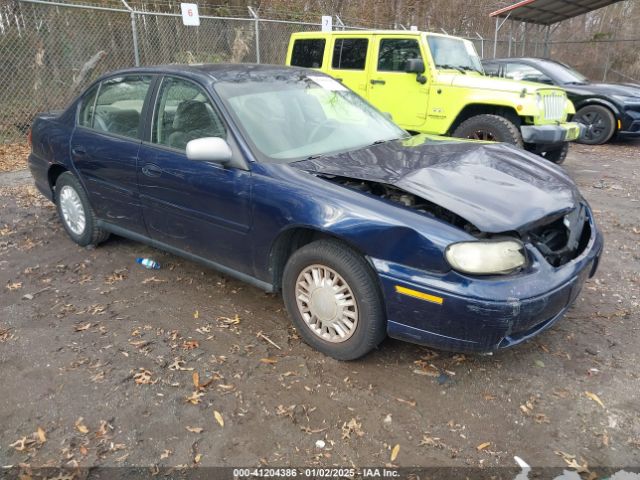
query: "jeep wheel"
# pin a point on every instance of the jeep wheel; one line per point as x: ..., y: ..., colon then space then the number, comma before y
x: 334, y: 301
x: 556, y: 155
x: 492, y: 128
x: 600, y: 123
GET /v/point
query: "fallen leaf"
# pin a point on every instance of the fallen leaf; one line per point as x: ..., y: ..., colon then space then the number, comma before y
x: 196, y: 314
x: 21, y: 444
x: 81, y: 427
x: 143, y: 377
x: 165, y: 454
x: 194, y: 399
x: 179, y: 365
x: 411, y: 403
x: 197, y: 458
x: 394, y: 452
x: 269, y: 360
x: 190, y: 344
x: 41, y: 435
x: 482, y: 446
x: 219, y: 418
x: 82, y: 328
x: 539, y: 363
x: 195, y: 429
x: 14, y: 285
x: 351, y: 427
x: 595, y: 398
x: 196, y: 379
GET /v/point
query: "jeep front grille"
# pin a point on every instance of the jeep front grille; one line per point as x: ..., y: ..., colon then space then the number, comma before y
x: 554, y: 106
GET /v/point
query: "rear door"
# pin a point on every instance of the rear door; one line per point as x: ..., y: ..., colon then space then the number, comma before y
x: 348, y: 62
x: 202, y: 208
x: 105, y: 144
x: 393, y: 90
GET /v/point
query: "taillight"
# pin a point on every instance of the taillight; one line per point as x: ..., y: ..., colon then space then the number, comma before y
x: 29, y: 138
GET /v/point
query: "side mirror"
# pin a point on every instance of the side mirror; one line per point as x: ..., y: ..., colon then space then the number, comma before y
x: 414, y: 65
x: 209, y: 149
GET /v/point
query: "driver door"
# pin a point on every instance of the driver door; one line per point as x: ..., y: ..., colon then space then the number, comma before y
x: 390, y: 88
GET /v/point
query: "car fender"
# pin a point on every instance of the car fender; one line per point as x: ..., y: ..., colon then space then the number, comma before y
x: 598, y: 101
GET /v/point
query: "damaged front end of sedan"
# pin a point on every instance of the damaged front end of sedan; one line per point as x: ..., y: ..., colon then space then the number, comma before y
x: 530, y: 244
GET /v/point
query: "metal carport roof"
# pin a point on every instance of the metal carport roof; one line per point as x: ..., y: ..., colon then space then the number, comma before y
x: 548, y: 12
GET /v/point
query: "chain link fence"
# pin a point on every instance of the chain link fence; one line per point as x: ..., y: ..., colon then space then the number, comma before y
x: 52, y: 50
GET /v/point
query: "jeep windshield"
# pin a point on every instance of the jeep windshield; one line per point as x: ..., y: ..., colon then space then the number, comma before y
x: 294, y: 118
x: 454, y: 54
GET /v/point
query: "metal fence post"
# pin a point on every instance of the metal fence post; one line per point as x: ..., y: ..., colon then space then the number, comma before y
x: 256, y: 19
x: 134, y: 32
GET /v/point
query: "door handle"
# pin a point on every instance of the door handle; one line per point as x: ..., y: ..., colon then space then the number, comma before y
x: 151, y: 170
x: 79, y: 151
x: 377, y: 82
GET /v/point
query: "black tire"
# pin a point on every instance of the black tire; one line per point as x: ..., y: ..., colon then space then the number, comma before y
x: 370, y: 327
x: 600, y: 123
x: 556, y: 155
x: 491, y: 128
x: 90, y: 234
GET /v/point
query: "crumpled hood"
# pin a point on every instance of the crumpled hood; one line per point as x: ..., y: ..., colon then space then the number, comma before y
x: 496, y: 187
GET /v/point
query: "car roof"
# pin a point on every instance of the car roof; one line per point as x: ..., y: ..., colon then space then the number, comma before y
x: 319, y: 34
x: 217, y: 72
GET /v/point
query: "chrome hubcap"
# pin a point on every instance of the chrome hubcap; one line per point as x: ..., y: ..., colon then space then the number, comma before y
x: 326, y: 303
x: 72, y: 210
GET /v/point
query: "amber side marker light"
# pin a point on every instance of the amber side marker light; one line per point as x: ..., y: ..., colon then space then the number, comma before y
x: 421, y: 295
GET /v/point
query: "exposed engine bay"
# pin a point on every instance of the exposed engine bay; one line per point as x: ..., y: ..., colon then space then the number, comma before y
x: 560, y: 240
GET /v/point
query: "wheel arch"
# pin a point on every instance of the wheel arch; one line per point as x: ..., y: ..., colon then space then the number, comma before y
x: 474, y: 109
x: 293, y: 238
x: 55, y: 170
x: 600, y: 102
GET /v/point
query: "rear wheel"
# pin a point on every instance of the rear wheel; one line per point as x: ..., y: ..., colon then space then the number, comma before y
x: 488, y: 127
x: 600, y: 123
x: 75, y: 212
x: 556, y: 155
x: 332, y: 296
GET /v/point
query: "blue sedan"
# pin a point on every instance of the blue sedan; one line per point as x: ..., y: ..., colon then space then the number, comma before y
x: 284, y: 178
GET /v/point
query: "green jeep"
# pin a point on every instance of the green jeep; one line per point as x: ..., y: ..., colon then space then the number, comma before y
x: 432, y: 83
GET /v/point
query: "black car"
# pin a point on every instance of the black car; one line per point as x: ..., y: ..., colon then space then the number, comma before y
x: 607, y: 109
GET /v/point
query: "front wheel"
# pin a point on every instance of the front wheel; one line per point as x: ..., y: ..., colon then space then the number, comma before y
x: 493, y: 128
x: 75, y: 211
x: 332, y: 296
x: 600, y: 124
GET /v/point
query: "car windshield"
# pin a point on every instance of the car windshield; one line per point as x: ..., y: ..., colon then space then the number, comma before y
x: 564, y: 74
x: 296, y: 118
x: 454, y: 53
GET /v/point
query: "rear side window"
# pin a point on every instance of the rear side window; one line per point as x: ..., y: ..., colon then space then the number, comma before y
x: 87, y: 108
x: 308, y: 53
x: 119, y: 105
x: 394, y: 54
x: 350, y: 53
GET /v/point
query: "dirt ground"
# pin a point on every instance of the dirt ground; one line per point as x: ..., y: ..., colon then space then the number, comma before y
x: 105, y: 363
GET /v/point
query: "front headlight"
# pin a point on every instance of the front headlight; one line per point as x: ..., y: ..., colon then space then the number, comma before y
x: 486, y: 257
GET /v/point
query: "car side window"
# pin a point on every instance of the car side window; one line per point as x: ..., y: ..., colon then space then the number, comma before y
x: 184, y: 113
x: 87, y: 108
x: 491, y: 69
x: 520, y: 71
x: 119, y: 105
x: 308, y: 53
x: 394, y: 53
x: 349, y: 53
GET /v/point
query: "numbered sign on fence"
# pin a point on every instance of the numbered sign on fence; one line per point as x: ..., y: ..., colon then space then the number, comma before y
x: 190, y: 14
x: 327, y: 23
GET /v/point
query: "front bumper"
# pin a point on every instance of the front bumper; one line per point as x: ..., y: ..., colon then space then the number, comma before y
x: 551, y: 134
x: 457, y: 312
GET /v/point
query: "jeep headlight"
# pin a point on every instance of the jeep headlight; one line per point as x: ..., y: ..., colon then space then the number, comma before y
x: 486, y: 257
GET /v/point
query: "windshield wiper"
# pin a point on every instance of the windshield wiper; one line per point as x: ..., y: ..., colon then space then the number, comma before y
x: 452, y: 67
x: 471, y: 69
